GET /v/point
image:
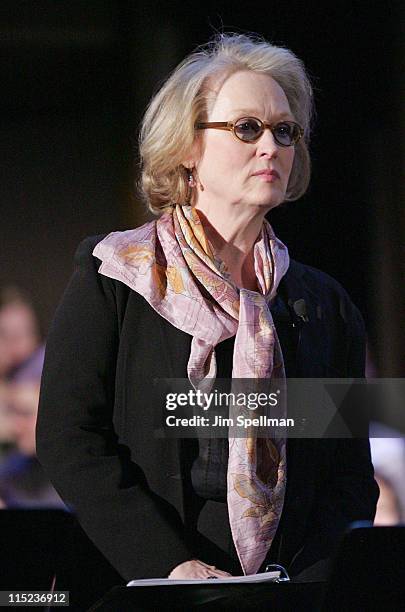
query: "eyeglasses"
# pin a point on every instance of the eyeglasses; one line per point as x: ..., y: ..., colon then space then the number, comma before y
x: 249, y: 129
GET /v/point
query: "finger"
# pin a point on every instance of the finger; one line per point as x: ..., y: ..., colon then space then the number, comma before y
x: 214, y: 569
x: 220, y: 573
x: 211, y: 570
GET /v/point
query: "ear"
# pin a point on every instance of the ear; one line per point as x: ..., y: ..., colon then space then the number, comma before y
x: 193, y: 155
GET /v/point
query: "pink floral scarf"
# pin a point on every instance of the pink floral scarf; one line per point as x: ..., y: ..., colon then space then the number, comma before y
x: 167, y: 261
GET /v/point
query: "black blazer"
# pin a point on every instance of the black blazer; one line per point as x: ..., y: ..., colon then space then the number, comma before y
x: 130, y: 489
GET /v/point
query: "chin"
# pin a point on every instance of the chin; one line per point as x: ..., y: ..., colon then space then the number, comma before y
x: 267, y: 204
x: 271, y: 200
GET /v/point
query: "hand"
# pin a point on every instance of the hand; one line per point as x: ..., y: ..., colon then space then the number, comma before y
x: 196, y: 570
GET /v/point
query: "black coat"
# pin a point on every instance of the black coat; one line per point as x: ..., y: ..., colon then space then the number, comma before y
x: 130, y: 489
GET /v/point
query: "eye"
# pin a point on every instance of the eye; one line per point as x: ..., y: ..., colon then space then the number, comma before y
x: 285, y: 133
x: 248, y: 128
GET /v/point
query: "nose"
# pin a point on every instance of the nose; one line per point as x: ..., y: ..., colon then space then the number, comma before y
x: 267, y: 146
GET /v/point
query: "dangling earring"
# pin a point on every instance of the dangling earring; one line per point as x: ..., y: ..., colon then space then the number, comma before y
x: 190, y: 178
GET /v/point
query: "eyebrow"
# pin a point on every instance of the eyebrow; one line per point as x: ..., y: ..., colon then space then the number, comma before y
x: 248, y: 112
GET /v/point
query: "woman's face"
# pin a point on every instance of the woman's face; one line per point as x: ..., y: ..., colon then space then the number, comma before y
x: 227, y: 167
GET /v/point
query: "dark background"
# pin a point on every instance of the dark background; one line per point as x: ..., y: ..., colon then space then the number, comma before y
x: 75, y: 78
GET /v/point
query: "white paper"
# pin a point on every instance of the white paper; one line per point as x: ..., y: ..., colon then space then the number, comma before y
x: 264, y: 577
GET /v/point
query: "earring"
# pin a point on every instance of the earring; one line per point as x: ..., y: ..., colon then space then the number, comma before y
x: 190, y: 178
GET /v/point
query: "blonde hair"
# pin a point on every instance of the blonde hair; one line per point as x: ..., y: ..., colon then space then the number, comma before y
x: 168, y: 132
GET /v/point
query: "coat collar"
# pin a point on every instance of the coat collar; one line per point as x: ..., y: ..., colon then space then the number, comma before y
x: 292, y: 286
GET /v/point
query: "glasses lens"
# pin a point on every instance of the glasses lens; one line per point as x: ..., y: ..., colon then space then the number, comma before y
x: 286, y: 134
x: 248, y: 129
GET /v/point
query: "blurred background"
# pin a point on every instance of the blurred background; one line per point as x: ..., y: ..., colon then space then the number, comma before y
x: 75, y: 79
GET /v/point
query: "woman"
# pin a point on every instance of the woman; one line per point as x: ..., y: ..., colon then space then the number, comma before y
x: 205, y: 291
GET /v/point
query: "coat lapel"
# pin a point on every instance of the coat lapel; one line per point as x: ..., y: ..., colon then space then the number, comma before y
x: 311, y: 359
x: 306, y: 312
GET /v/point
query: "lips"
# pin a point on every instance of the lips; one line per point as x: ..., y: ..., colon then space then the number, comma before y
x: 267, y: 172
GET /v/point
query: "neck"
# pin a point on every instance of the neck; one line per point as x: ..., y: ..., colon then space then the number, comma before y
x: 232, y: 232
